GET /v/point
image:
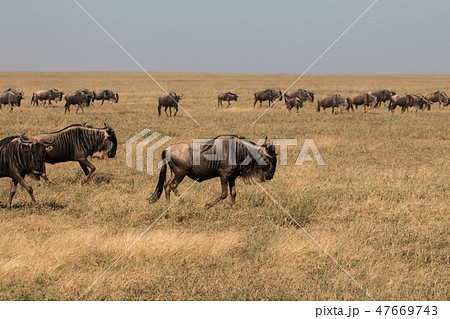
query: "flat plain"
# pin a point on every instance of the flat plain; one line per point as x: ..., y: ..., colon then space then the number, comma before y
x: 379, y: 206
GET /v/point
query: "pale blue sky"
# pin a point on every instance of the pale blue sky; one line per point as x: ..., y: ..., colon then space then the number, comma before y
x: 394, y: 37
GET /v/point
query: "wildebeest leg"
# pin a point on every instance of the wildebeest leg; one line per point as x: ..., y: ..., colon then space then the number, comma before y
x: 165, y: 110
x: 88, y: 173
x: 66, y: 108
x: 103, y: 101
x: 228, y: 103
x: 232, y: 184
x: 44, y: 174
x: 12, y: 191
x: 223, y: 182
x: 172, y: 184
x: 332, y: 110
x: 80, y: 106
x: 27, y: 187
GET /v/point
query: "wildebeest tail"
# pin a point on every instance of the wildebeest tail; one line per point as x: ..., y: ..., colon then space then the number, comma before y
x: 162, y: 179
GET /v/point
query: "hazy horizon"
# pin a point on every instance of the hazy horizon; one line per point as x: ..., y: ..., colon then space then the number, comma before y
x: 234, y: 37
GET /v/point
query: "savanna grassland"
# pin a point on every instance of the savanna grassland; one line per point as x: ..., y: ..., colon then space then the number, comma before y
x: 380, y: 205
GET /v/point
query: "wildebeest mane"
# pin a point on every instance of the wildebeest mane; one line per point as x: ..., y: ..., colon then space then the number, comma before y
x: 7, y: 140
x: 211, y: 142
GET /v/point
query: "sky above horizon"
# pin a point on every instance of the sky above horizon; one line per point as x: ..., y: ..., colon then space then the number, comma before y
x: 253, y: 36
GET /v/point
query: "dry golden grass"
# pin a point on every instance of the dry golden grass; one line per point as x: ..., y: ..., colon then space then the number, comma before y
x: 380, y: 205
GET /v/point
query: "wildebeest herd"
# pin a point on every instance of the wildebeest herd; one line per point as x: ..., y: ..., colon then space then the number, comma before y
x: 21, y: 156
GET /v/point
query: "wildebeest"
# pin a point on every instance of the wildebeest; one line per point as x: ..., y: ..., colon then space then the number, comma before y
x: 382, y: 95
x: 438, y: 96
x: 46, y: 95
x: 420, y: 102
x: 226, y: 156
x: 103, y: 95
x: 78, y: 98
x: 76, y: 143
x: 293, y: 102
x: 226, y: 97
x: 10, y: 97
x: 20, y: 156
x: 169, y: 100
x: 405, y: 101
x: 300, y: 93
x: 267, y: 95
x: 332, y: 100
x: 365, y: 99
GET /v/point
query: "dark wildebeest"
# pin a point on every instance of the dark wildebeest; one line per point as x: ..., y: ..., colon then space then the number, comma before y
x: 420, y: 102
x: 267, y: 95
x: 300, y: 93
x: 78, y: 142
x: 10, y: 97
x: 226, y: 156
x: 103, y: 95
x: 76, y: 98
x: 365, y: 99
x: 382, y: 95
x: 332, y: 100
x: 46, y: 95
x: 438, y: 96
x: 293, y: 102
x: 405, y: 101
x: 226, y: 97
x: 20, y: 156
x: 168, y: 101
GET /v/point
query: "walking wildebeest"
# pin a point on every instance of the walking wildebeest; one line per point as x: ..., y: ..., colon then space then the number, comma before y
x: 332, y: 100
x: 293, y: 102
x: 365, y: 99
x: 226, y: 97
x: 76, y: 143
x: 46, y: 95
x: 10, y: 97
x: 103, y: 95
x: 76, y: 98
x: 382, y: 95
x: 168, y: 101
x: 420, y: 102
x: 438, y: 96
x: 405, y: 101
x: 300, y: 93
x: 20, y: 156
x: 229, y: 157
x: 267, y: 95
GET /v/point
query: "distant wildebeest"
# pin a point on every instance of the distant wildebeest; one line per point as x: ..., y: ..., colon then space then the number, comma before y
x: 332, y: 100
x: 438, y: 96
x: 300, y: 93
x: 382, y: 95
x: 365, y: 99
x: 226, y: 97
x: 267, y: 95
x: 78, y: 98
x: 20, y: 156
x: 226, y: 156
x: 168, y: 101
x: 46, y: 95
x: 78, y: 142
x: 405, y: 101
x: 293, y: 102
x: 103, y: 95
x: 420, y: 102
x: 10, y: 97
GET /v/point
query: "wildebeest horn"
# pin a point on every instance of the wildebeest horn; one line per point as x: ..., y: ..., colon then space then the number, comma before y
x: 48, y: 142
x: 181, y: 95
x: 25, y: 140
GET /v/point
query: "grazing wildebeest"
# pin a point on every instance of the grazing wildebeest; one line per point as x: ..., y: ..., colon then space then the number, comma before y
x: 46, y: 95
x: 300, y: 93
x: 365, y: 99
x: 293, y: 102
x: 405, y: 101
x: 103, y: 95
x: 382, y: 95
x: 76, y: 98
x: 20, y: 156
x: 438, y: 96
x: 226, y: 97
x: 267, y: 95
x: 332, y: 100
x: 168, y: 101
x: 78, y: 142
x: 226, y: 156
x: 10, y: 97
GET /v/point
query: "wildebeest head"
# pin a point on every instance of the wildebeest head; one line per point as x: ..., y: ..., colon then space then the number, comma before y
x: 271, y: 159
x: 109, y: 144
x: 311, y: 95
x: 37, y: 151
x: 60, y: 95
x: 117, y: 97
x: 19, y: 97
